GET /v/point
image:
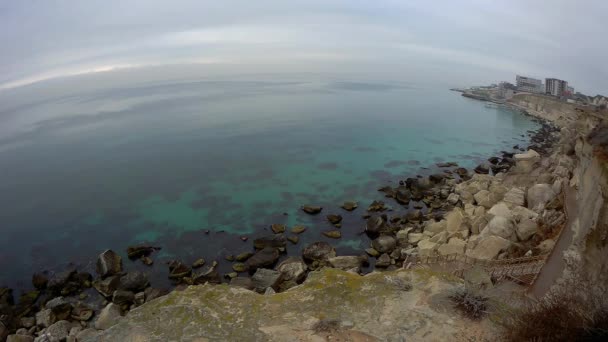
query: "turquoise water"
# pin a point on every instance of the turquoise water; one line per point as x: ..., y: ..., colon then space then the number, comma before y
x: 164, y: 163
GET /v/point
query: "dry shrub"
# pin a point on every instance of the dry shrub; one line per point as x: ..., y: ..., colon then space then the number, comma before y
x: 578, y: 311
x: 471, y: 303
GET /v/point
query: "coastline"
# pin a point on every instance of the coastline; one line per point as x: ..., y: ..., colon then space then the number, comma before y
x: 391, y: 235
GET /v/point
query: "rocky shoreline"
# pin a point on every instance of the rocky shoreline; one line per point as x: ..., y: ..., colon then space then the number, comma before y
x: 504, y: 208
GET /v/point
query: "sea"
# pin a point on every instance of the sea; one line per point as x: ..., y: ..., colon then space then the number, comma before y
x: 196, y: 165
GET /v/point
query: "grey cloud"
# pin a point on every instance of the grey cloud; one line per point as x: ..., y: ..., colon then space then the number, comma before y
x: 453, y: 42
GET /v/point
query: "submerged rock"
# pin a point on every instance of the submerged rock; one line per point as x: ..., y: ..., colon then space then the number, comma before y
x: 136, y: 252
x: 312, y: 210
x: 384, y: 244
x: 134, y: 281
x: 275, y: 241
x: 377, y: 206
x: 334, y: 219
x: 298, y: 229
x: 277, y: 228
x: 374, y: 225
x: 293, y: 239
x: 349, y: 206
x: 334, y: 234
x: 198, y: 263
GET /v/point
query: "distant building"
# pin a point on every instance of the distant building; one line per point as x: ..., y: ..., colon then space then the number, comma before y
x: 529, y: 84
x: 505, y: 90
x: 555, y: 87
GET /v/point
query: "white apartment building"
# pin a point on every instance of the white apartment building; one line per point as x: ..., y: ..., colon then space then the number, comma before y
x: 529, y: 84
x: 555, y: 87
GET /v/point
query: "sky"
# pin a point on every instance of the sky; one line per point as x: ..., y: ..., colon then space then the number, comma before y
x: 455, y: 43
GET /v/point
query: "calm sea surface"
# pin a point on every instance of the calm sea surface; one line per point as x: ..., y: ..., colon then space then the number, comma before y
x: 163, y: 163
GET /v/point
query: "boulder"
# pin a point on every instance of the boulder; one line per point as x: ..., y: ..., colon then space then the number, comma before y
x: 275, y: 241
x: 439, y: 238
x: 81, y: 312
x: 264, y: 278
x: 334, y: 219
x: 453, y: 198
x: 377, y: 206
x: 39, y: 280
x: 414, y: 216
x: 384, y: 243
x: 482, y: 168
x: 244, y: 282
x: 123, y: 298
x: 525, y: 229
x: 106, y: 287
x: 436, y: 227
x: 346, y: 262
x: 318, y: 251
x: 134, y: 281
x: 44, y: 318
x: 292, y: 269
x: 198, y: 263
x: 499, y: 226
x: 539, y: 195
x: 108, y: 317
x: 139, y: 251
x: 86, y: 334
x: 454, y: 246
x: 277, y: 228
x: 152, y: 293
x: 402, y: 197
x: 478, y: 224
x: 414, y: 237
x: 349, y: 206
x: 311, y: 209
x: 178, y: 270
x: 485, y: 199
x: 522, y: 213
x: 515, y: 196
x: 501, y: 209
x: 18, y: 338
x: 262, y: 258
x: 58, y: 331
x: 108, y: 263
x: 488, y: 247
x: 207, y: 274
x: 60, y: 308
x: 332, y: 234
x: 298, y: 229
x: 59, y: 280
x: 455, y: 220
x: 293, y: 239
x: 240, y: 267
x: 383, y: 261
x: 374, y: 225
x: 524, y: 162
x: 427, y: 248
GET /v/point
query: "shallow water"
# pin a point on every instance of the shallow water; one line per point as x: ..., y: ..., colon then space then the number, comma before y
x: 163, y: 163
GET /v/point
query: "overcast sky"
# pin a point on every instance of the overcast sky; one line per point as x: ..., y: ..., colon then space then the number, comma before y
x: 451, y: 42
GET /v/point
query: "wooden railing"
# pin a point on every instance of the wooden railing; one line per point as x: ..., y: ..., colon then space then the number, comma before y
x: 522, y: 270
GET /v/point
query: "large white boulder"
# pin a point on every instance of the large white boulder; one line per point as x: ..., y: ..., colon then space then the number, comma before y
x: 529, y: 155
x: 515, y: 196
x: 426, y: 248
x: 501, y: 209
x: 525, y: 229
x: 499, y: 226
x: 485, y: 199
x: 455, y: 220
x: 436, y: 227
x: 488, y: 247
x: 539, y: 195
x: 454, y: 246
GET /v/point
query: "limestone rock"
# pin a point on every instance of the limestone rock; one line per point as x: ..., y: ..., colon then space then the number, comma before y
x: 436, y: 227
x: 349, y: 206
x: 454, y: 246
x: 262, y: 258
x: 499, y: 226
x: 455, y: 219
x: 384, y: 243
x: 485, y: 199
x: 134, y: 281
x: 453, y: 198
x: 525, y: 229
x: 317, y: 251
x: 427, y: 248
x: 414, y: 237
x: 44, y: 318
x: 292, y: 269
x: 58, y: 331
x: 383, y: 261
x: 109, y: 316
x: 274, y: 240
x: 312, y: 210
x: 19, y: 338
x: 346, y: 262
x: 539, y: 195
x: 515, y: 196
x: 108, y: 263
x: 501, y: 209
x: 546, y: 246
x: 488, y: 247
x: 60, y: 308
x: 264, y: 278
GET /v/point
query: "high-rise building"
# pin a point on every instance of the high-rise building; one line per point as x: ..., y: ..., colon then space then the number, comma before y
x: 529, y: 84
x: 555, y: 87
